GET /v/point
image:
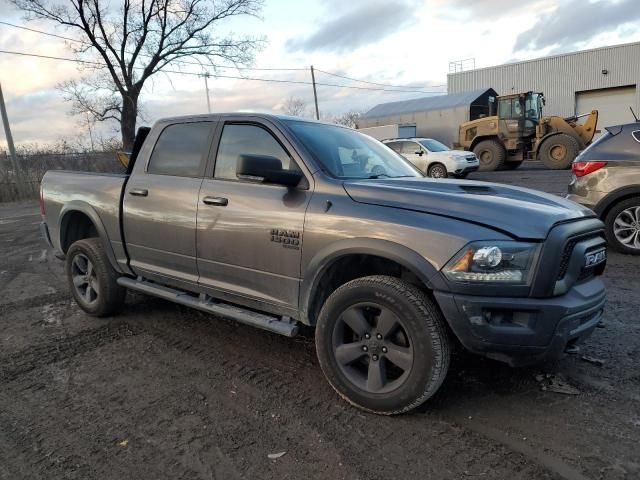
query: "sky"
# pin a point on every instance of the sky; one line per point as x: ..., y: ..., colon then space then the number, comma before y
x: 398, y: 42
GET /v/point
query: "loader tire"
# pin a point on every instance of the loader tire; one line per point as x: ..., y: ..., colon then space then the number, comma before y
x: 491, y: 154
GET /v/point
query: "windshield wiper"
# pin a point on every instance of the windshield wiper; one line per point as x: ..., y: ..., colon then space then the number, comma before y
x: 380, y: 175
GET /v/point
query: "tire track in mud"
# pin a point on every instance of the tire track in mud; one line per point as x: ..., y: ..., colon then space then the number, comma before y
x: 325, y: 416
x: 22, y: 362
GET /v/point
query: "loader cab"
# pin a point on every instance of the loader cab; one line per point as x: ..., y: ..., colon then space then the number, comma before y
x: 519, y: 114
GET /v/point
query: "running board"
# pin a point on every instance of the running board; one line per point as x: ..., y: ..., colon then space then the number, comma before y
x: 283, y: 326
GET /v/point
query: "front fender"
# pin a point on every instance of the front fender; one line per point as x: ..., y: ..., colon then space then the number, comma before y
x: 89, y: 211
x: 400, y: 254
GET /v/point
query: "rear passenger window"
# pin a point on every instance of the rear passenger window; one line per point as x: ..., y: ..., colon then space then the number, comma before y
x: 247, y: 139
x: 180, y: 150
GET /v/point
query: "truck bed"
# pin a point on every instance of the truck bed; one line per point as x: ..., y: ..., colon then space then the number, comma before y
x: 98, y: 195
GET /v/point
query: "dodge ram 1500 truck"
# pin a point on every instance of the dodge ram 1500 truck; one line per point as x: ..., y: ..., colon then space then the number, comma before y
x: 278, y: 221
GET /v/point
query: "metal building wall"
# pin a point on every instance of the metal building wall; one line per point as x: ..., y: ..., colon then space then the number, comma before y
x: 559, y: 77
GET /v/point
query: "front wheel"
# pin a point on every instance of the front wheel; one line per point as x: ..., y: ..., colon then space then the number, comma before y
x: 382, y: 344
x: 437, y: 170
x: 92, y: 279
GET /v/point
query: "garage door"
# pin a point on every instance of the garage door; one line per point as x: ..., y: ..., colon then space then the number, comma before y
x: 612, y: 105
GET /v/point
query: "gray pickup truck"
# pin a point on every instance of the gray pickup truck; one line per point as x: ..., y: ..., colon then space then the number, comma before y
x: 277, y: 222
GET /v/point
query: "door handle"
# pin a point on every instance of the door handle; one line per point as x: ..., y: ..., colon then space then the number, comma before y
x: 219, y: 201
x: 139, y: 192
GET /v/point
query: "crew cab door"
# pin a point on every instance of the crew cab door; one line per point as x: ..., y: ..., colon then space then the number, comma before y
x: 161, y: 201
x: 250, y: 234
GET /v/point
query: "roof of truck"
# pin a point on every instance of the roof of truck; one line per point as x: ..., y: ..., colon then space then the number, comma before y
x: 216, y: 116
x: 438, y: 102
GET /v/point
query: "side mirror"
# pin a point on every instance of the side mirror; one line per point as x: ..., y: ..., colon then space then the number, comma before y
x: 266, y: 169
x: 420, y: 153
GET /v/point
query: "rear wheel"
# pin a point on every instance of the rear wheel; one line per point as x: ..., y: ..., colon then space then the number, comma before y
x: 382, y: 344
x: 623, y: 226
x: 557, y: 152
x: 92, y: 279
x: 491, y: 154
x: 437, y: 170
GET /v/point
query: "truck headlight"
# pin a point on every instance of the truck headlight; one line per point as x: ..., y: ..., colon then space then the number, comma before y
x: 493, y: 262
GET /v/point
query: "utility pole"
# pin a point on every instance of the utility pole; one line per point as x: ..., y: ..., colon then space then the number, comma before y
x: 206, y: 86
x: 9, y: 137
x: 315, y: 93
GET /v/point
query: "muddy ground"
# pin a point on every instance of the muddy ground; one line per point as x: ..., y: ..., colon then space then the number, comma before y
x: 161, y: 391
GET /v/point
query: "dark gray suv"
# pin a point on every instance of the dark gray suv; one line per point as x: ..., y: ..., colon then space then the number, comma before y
x: 606, y: 178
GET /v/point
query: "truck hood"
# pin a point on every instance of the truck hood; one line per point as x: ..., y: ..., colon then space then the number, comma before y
x: 518, y: 212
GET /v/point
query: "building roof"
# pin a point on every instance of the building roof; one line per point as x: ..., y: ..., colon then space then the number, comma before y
x: 424, y: 104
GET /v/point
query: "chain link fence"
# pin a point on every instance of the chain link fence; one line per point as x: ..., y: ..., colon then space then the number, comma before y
x: 25, y: 184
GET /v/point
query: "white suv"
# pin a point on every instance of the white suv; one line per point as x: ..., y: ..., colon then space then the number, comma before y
x: 434, y: 158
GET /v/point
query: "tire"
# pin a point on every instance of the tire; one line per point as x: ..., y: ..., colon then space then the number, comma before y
x: 92, y: 279
x: 512, y: 165
x: 491, y: 154
x: 411, y: 357
x: 626, y: 212
x: 558, y: 151
x: 437, y: 170
x: 378, y: 170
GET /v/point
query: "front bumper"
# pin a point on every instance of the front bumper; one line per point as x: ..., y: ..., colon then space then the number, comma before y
x: 521, y: 331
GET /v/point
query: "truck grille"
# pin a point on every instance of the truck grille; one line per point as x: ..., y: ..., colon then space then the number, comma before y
x: 567, y: 254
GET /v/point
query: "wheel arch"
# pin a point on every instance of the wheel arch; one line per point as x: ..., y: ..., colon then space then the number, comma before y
x: 619, y: 195
x: 362, y: 257
x: 482, y: 138
x: 79, y: 220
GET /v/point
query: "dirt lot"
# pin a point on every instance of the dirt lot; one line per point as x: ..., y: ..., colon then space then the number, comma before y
x: 165, y: 392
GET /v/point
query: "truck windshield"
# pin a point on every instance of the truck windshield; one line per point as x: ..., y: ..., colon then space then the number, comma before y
x: 345, y: 153
x: 433, y: 145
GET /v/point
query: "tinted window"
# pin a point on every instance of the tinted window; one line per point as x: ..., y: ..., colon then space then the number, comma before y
x: 246, y: 139
x: 180, y: 149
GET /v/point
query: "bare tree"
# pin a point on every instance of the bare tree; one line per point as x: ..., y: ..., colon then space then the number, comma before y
x: 348, y: 119
x: 132, y: 43
x: 295, y: 106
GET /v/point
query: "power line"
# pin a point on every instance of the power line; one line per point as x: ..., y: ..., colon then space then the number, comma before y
x: 69, y: 39
x: 62, y: 37
x: 373, y: 83
x: 257, y: 79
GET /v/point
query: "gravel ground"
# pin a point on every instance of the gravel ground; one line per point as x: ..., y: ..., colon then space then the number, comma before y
x: 161, y: 391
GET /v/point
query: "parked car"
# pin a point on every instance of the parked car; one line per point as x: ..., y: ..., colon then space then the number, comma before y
x: 435, y: 159
x: 606, y: 178
x: 276, y: 222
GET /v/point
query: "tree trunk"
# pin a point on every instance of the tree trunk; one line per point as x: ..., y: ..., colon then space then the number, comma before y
x: 128, y: 120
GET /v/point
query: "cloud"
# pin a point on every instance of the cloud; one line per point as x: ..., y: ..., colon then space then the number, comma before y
x: 368, y: 23
x: 577, y: 21
x: 483, y: 10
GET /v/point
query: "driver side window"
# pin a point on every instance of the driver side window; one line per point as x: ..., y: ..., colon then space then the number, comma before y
x: 242, y: 139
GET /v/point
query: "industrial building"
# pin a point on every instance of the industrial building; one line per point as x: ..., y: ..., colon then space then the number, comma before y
x: 606, y: 79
